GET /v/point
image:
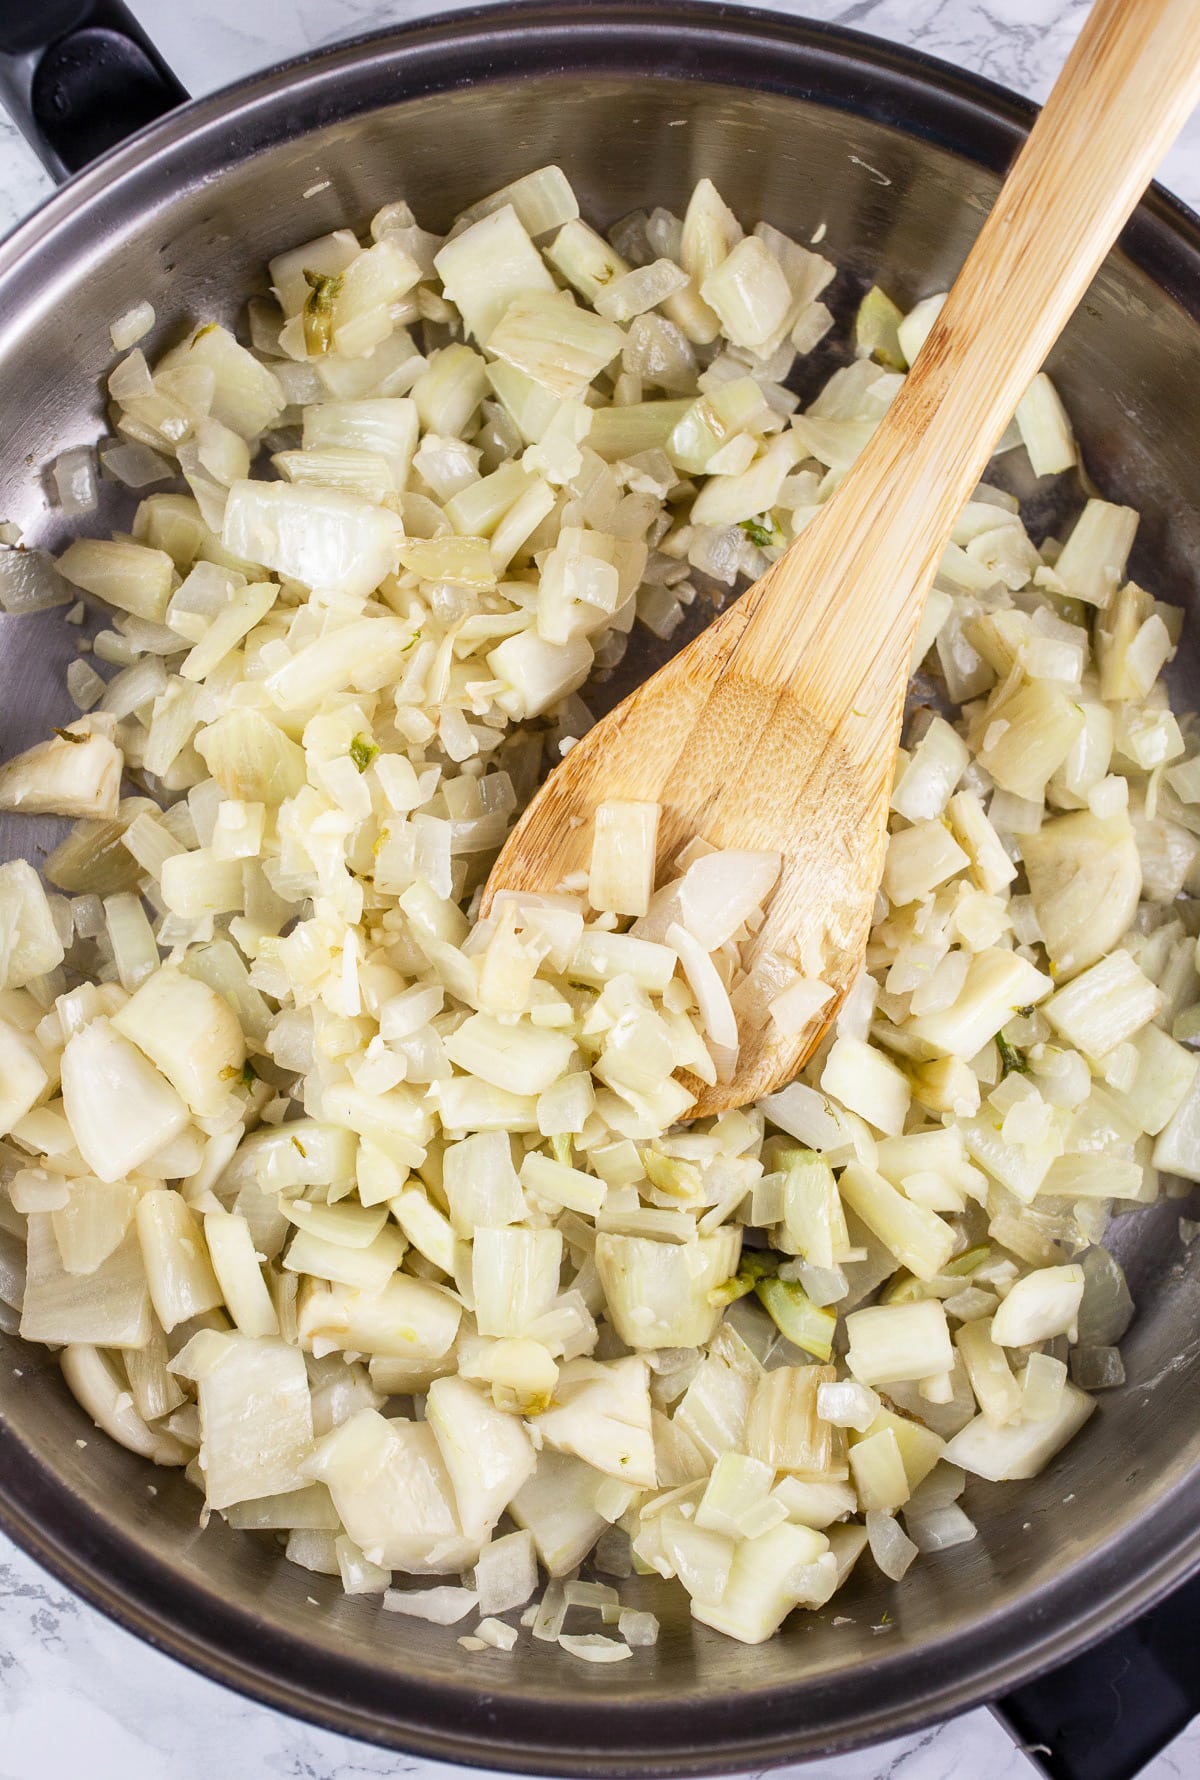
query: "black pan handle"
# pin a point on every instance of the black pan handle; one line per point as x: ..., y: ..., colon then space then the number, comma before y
x: 1109, y: 1711
x: 78, y: 76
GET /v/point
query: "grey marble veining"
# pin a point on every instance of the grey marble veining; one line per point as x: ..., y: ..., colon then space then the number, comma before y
x: 80, y: 1697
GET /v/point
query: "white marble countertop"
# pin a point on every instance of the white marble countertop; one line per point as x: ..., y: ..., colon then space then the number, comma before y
x: 79, y: 1696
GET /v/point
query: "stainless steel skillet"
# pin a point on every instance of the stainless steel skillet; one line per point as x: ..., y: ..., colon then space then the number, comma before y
x: 899, y: 156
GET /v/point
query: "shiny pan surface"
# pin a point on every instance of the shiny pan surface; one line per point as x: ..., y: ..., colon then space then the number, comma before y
x: 899, y: 156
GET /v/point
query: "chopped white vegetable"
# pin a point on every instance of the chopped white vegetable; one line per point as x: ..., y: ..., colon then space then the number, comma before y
x: 188, y: 1032
x: 120, y: 1109
x: 330, y: 541
x: 623, y: 854
x: 1021, y: 1448
x: 892, y: 1342
x: 1104, y: 1006
x: 255, y: 1419
x: 384, y: 1219
x: 76, y: 774
x: 1039, y: 1306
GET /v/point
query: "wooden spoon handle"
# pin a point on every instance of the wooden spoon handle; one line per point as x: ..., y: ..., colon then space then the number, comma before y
x: 863, y: 568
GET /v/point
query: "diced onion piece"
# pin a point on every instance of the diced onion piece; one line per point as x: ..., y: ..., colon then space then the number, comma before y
x: 998, y: 982
x: 585, y: 259
x: 1021, y: 1448
x: 494, y: 1634
x: 537, y: 674
x: 1085, y: 876
x: 197, y: 884
x: 74, y: 475
x: 96, y: 1385
x: 1039, y: 1306
x: 639, y: 1629
x: 601, y: 1414
x: 1025, y: 733
x: 24, y: 1075
x: 131, y: 326
x: 891, y: 1547
x: 915, y: 329
x: 486, y: 267
x: 330, y: 541
x: 408, y: 1319
x: 1041, y: 1387
x: 797, y: 1006
x: 562, y: 347
x: 876, y: 329
x: 558, y: 1508
x: 523, y: 1058
x: 506, y: 1574
x: 996, y: 1390
x: 135, y: 950
x: 893, y: 1342
x: 639, y: 290
x: 120, y: 1109
x: 131, y: 577
x: 802, y: 1322
x: 76, y: 774
x: 30, y: 581
x: 1045, y: 428
x: 621, y: 875
x: 445, y: 1605
x: 384, y: 425
x: 847, y: 1404
x: 716, y: 1010
x: 394, y: 1495
x: 722, y: 889
x: 30, y: 944
x: 189, y: 1033
x: 235, y: 1263
x: 877, y: 1469
x: 931, y: 774
x: 785, y: 1430
x: 251, y: 758
x: 599, y: 956
x: 1091, y: 565
x: 593, y: 1647
x: 658, y: 1293
x: 768, y: 1577
x: 109, y: 1307
x: 749, y: 292
x: 868, y: 1083
x: 937, y: 1529
x: 917, y: 1237
x: 804, y: 1114
x: 487, y: 1453
x: 359, y: 1576
x: 180, y: 1276
x: 515, y: 1278
x: 1105, y: 1005
x: 738, y: 1486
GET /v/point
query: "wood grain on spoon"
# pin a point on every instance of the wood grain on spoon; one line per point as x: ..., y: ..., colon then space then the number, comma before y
x: 778, y: 726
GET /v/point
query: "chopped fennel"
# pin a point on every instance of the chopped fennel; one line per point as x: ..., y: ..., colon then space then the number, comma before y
x: 386, y: 1215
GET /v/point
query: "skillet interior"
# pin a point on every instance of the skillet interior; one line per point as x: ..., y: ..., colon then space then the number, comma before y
x: 898, y: 157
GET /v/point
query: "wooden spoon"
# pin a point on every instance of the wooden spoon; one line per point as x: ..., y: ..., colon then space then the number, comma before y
x: 778, y: 726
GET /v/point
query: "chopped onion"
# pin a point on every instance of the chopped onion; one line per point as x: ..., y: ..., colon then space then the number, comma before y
x: 440, y: 1606
x: 132, y: 326
x: 891, y: 1548
x: 274, y: 1088
x: 29, y: 581
x: 74, y: 475
x: 76, y: 774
